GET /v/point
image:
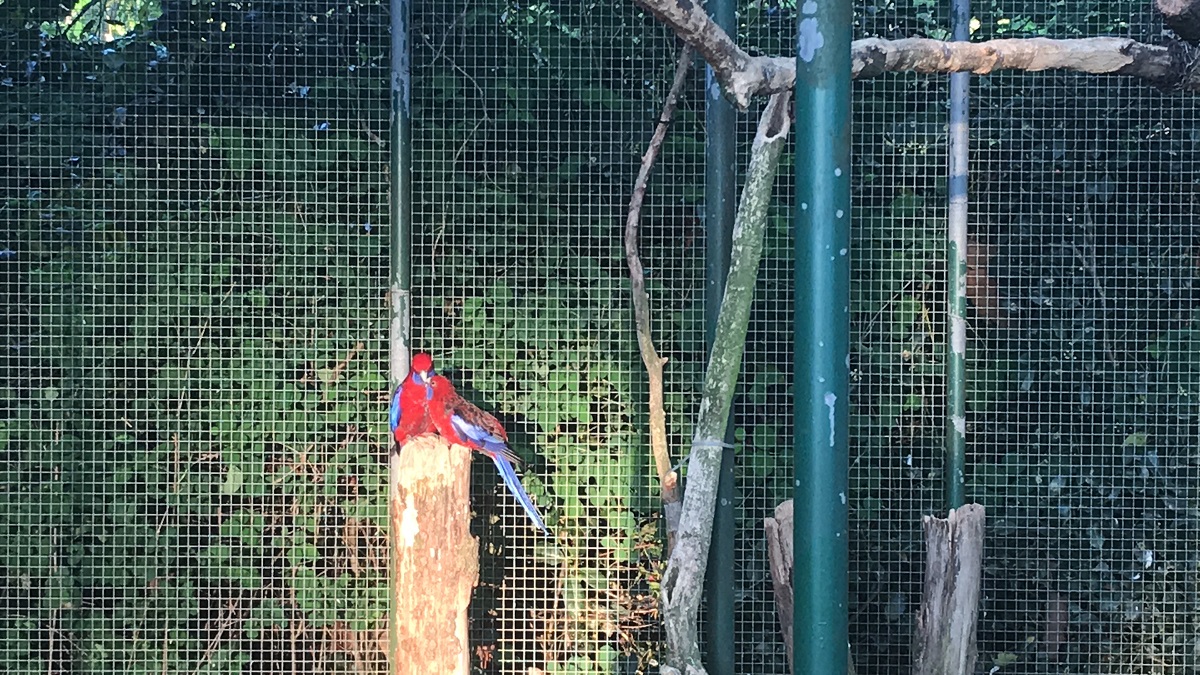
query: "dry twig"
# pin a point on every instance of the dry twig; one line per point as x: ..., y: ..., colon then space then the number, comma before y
x: 667, y: 477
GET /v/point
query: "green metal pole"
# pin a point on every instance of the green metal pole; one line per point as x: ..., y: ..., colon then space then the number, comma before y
x: 956, y: 265
x: 720, y: 202
x: 399, y: 246
x: 822, y: 366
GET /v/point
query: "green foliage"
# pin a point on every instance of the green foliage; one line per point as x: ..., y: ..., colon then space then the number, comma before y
x: 104, y: 22
x: 196, y: 444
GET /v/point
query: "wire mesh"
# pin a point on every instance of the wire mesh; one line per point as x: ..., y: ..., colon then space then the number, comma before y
x: 528, y: 124
x: 193, y: 262
x: 193, y: 273
x: 1086, y: 428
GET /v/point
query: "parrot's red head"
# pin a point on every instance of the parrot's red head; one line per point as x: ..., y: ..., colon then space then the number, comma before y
x: 422, y: 362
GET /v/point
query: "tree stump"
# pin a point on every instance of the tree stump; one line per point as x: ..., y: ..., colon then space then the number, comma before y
x: 944, y: 643
x: 434, y: 558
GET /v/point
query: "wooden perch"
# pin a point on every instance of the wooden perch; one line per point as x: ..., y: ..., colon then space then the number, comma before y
x: 1098, y: 56
x: 742, y: 76
x: 944, y: 641
x: 434, y: 558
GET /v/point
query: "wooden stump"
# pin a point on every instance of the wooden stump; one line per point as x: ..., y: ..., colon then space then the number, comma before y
x: 780, y: 555
x: 435, y: 562
x: 944, y: 643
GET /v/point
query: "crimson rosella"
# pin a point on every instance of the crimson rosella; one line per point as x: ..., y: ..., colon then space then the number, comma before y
x: 459, y: 421
x: 408, y: 415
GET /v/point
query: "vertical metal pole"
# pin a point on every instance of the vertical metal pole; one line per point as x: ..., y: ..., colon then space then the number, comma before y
x: 400, y: 281
x: 956, y: 269
x: 822, y: 365
x: 720, y: 202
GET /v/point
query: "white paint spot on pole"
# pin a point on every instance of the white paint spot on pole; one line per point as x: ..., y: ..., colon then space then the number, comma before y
x: 958, y: 335
x: 803, y: 206
x: 714, y: 89
x: 831, y: 404
x: 843, y: 251
x: 960, y: 424
x: 808, y: 40
x: 837, y: 172
x: 809, y: 8
x: 840, y: 213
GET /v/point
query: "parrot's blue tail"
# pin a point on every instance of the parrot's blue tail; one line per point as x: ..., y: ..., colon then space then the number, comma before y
x: 509, y: 474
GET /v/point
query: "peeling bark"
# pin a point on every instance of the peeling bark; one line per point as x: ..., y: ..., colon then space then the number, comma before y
x: 435, y: 558
x: 683, y: 581
x: 742, y: 76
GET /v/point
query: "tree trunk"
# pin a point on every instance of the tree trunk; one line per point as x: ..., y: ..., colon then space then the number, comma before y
x: 434, y: 557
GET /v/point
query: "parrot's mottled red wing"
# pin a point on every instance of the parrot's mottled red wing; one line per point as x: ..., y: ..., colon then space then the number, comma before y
x: 461, y: 422
x: 476, y: 418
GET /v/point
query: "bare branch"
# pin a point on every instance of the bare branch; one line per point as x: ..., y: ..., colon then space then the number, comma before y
x: 667, y: 478
x: 743, y: 76
x: 1098, y: 56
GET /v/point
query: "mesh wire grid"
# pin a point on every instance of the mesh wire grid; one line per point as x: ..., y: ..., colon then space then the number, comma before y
x: 195, y: 251
x: 528, y: 128
x: 193, y: 275
x: 1080, y: 420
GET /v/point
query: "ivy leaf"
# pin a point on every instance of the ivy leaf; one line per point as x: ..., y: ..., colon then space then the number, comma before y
x: 233, y: 480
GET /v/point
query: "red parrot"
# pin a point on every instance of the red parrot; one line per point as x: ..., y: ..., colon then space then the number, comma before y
x: 408, y: 415
x: 459, y: 421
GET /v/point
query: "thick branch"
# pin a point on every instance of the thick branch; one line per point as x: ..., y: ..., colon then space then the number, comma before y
x: 1098, y: 56
x: 684, y: 579
x: 667, y: 478
x: 742, y: 76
